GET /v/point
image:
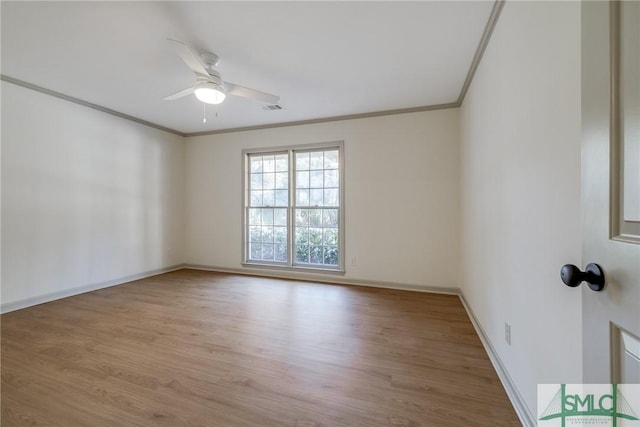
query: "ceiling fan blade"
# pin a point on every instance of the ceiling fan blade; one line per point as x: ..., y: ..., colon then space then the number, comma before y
x: 237, y: 90
x: 179, y: 94
x: 189, y: 57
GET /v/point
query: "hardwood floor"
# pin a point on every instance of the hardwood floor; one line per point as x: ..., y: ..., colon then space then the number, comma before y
x: 194, y: 348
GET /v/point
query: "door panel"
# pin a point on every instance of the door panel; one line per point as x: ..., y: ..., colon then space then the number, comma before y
x: 625, y: 120
x: 626, y: 356
x: 618, y: 306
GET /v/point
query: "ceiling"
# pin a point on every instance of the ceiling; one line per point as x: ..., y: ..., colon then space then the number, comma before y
x: 324, y: 59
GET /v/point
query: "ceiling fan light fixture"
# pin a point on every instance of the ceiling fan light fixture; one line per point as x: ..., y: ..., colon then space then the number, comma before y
x: 209, y: 92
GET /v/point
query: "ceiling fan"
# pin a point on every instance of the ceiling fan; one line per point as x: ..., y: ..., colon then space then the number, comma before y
x: 209, y: 87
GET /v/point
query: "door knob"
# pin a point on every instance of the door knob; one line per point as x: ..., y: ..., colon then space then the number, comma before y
x: 592, y: 274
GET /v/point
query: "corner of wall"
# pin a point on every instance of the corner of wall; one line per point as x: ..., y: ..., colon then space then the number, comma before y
x: 520, y: 198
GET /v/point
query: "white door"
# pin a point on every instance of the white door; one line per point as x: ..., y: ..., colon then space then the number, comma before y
x: 611, y: 192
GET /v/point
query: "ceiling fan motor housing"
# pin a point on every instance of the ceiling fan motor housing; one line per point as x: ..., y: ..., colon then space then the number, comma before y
x: 214, y: 77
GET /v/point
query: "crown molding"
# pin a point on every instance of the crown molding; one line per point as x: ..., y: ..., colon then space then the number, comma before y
x: 482, y: 46
x: 330, y: 119
x: 87, y: 104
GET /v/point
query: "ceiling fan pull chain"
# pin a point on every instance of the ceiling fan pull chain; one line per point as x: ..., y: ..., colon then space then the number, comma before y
x: 204, y: 113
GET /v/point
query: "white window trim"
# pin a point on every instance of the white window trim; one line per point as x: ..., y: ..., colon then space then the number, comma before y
x: 291, y: 265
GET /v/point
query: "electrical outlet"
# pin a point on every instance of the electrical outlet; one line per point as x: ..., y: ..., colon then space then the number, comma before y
x: 507, y: 332
x: 354, y: 261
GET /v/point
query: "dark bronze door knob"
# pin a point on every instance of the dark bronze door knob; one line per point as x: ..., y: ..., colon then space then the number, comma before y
x: 592, y: 274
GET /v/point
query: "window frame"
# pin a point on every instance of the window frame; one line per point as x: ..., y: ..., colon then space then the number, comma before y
x: 290, y: 264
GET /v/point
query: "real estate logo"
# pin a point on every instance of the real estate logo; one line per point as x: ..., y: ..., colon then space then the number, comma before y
x: 574, y: 405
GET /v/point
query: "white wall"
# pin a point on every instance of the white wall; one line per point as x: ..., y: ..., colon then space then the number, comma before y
x: 87, y: 198
x: 520, y: 132
x: 401, y: 195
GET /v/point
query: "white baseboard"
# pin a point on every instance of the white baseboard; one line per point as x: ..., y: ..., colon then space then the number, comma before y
x: 319, y: 277
x: 519, y: 405
x: 40, y: 299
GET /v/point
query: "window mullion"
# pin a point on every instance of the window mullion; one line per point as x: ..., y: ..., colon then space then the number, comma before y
x: 292, y: 204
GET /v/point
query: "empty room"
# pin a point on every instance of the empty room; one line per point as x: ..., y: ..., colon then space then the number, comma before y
x: 304, y: 213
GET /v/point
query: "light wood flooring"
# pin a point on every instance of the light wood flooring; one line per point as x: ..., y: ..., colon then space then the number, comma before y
x: 195, y: 348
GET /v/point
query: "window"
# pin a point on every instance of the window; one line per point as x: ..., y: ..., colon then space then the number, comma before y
x: 293, y: 212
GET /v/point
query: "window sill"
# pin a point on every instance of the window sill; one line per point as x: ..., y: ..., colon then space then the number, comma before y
x: 295, y: 269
